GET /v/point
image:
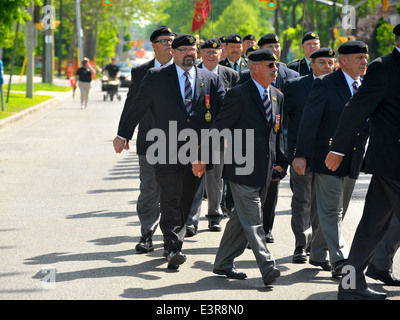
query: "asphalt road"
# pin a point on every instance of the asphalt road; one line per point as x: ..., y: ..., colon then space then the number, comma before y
x: 68, y: 222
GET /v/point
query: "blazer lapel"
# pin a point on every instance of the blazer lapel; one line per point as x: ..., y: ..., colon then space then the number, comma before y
x: 198, y: 91
x: 174, y: 84
x: 255, y: 95
x: 342, y: 87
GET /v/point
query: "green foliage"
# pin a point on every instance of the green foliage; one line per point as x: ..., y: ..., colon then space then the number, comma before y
x: 385, y: 38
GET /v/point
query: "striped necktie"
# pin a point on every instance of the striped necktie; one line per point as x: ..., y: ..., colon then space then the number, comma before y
x: 188, y: 93
x: 267, y: 105
x: 355, y: 87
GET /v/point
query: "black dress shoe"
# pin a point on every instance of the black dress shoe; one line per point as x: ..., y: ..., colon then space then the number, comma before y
x: 175, y: 259
x: 145, y: 244
x: 299, y: 255
x: 385, y: 276
x: 326, y: 265
x: 191, y: 230
x: 231, y: 273
x: 271, y: 275
x: 337, y: 268
x: 362, y: 294
x: 269, y: 238
x: 214, y: 226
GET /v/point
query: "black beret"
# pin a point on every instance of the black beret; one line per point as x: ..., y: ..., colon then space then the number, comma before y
x: 222, y: 39
x: 212, y: 43
x: 183, y: 39
x: 161, y: 31
x: 268, y: 38
x: 323, y: 53
x: 251, y: 49
x: 234, y: 38
x: 249, y: 37
x: 262, y: 55
x: 396, y: 30
x: 309, y: 36
x: 353, y: 46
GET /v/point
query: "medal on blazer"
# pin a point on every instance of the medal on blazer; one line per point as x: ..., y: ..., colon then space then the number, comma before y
x: 277, y: 123
x: 207, y: 99
x: 208, y: 116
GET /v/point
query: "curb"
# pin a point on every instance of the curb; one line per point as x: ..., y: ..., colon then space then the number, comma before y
x: 37, y: 109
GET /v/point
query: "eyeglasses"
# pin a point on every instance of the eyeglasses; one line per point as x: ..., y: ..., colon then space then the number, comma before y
x: 269, y: 65
x: 184, y: 51
x: 210, y: 53
x: 164, y: 41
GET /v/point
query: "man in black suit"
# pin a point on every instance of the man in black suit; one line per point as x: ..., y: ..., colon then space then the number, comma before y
x: 309, y: 43
x: 378, y: 100
x: 234, y: 50
x: 320, y: 117
x: 253, y: 112
x: 147, y: 207
x: 305, y: 224
x: 213, y: 183
x: 271, y: 41
x: 183, y: 99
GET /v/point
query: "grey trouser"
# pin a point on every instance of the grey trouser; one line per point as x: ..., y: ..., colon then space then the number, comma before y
x: 148, y: 202
x: 305, y: 222
x: 333, y: 197
x: 245, y: 227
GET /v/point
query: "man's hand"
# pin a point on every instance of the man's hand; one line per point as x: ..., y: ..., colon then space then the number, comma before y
x: 299, y: 165
x: 198, y: 168
x: 333, y: 161
x: 120, y: 144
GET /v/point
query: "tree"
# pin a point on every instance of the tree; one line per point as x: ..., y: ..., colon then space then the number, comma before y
x: 12, y: 11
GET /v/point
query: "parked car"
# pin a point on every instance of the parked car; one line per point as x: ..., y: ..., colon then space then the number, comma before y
x: 125, y: 77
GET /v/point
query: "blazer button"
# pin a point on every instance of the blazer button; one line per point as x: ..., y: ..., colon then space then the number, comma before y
x: 187, y: 120
x: 355, y: 149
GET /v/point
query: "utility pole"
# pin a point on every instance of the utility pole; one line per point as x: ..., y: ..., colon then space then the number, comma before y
x: 60, y: 40
x: 79, y: 30
x: 30, y: 39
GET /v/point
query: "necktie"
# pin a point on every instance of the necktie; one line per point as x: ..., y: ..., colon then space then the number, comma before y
x: 188, y: 93
x: 355, y: 87
x: 235, y: 66
x: 267, y: 105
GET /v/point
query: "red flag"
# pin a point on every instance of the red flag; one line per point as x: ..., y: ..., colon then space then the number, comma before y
x: 201, y: 10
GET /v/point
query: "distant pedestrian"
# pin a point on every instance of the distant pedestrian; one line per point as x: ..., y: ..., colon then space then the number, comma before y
x: 1, y: 85
x: 84, y: 76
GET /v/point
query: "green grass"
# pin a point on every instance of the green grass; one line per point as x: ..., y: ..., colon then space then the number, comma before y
x: 36, y: 87
x: 19, y: 102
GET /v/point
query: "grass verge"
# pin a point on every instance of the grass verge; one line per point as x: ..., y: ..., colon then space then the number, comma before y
x: 19, y: 102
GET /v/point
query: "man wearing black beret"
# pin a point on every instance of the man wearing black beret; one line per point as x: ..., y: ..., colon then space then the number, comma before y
x: 249, y: 40
x: 309, y: 43
x: 148, y: 203
x: 271, y: 41
x: 377, y: 100
x: 320, y: 118
x: 180, y: 96
x: 304, y: 221
x: 210, y: 52
x: 234, y: 50
x: 254, y: 107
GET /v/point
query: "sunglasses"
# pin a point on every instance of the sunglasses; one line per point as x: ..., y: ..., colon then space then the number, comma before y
x: 269, y: 65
